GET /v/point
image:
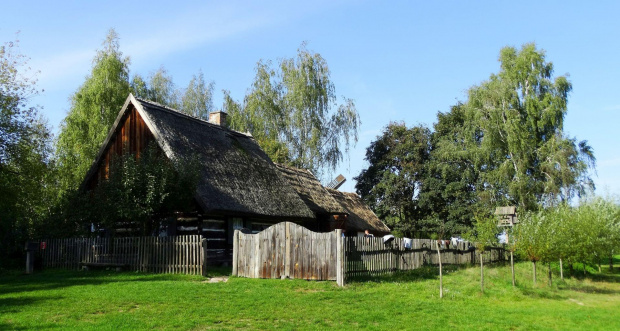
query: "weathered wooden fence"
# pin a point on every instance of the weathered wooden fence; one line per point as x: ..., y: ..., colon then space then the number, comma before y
x: 179, y: 254
x: 370, y: 256
x: 288, y: 250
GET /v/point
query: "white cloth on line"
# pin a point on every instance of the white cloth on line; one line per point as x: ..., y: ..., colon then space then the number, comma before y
x: 387, y: 238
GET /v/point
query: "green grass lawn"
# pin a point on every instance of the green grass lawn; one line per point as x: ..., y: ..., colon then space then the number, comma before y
x: 110, y: 300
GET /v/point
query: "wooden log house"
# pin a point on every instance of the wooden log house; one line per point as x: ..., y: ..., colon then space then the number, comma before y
x: 239, y: 186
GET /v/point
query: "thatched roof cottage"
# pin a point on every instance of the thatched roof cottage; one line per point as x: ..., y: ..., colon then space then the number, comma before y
x: 239, y: 186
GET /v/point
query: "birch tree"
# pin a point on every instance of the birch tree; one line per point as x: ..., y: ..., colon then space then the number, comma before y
x: 514, y: 135
x: 94, y: 107
x: 294, y: 109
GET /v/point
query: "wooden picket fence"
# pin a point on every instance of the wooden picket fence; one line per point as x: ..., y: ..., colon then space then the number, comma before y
x: 371, y: 256
x: 179, y: 254
x: 288, y: 250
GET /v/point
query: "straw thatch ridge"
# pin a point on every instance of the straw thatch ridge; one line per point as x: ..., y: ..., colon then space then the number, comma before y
x: 237, y: 177
x: 311, y: 191
x: 361, y: 217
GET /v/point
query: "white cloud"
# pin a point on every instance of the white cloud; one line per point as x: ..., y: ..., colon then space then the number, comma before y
x: 194, y: 29
x: 60, y: 68
x: 144, y: 39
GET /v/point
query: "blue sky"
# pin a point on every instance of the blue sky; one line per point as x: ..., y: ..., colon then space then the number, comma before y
x: 399, y: 61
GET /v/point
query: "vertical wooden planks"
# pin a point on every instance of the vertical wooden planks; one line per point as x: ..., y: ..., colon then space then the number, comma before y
x: 339, y: 258
x: 287, y: 250
x: 235, y: 262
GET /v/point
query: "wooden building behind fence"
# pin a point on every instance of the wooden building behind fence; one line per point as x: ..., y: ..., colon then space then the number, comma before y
x: 238, y: 186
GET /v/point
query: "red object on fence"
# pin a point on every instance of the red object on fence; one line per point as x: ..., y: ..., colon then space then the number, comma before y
x: 43, y: 245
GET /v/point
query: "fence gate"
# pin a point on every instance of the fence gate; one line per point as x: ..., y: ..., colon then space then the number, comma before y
x: 289, y: 250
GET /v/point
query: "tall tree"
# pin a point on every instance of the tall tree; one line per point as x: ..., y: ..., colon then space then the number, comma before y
x: 197, y: 100
x: 449, y: 187
x: 514, y: 134
x: 94, y: 107
x: 392, y: 182
x: 161, y: 89
x: 293, y: 112
x: 25, y: 151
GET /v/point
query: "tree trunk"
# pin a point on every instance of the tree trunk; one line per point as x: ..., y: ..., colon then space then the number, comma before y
x: 584, y: 269
x: 534, y: 265
x: 481, y: 274
x: 599, y: 266
x: 550, y: 281
x: 571, y: 268
x: 440, y: 272
x: 561, y: 270
x: 512, y: 267
x: 611, y: 263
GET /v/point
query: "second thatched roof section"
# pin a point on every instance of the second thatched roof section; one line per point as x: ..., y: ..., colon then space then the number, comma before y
x: 361, y: 217
x: 310, y: 190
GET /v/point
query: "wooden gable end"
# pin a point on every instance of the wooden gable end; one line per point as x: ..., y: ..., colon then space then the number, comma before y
x: 132, y: 135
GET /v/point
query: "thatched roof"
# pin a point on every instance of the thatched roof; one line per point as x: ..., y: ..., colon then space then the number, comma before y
x: 361, y: 217
x: 311, y: 191
x: 237, y: 177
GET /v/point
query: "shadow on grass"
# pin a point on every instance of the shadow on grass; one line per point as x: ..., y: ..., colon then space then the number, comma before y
x: 6, y: 326
x: 218, y: 271
x: 16, y: 281
x: 589, y: 289
x: 12, y: 305
x: 56, y: 279
x: 543, y: 293
x: 592, y: 274
x: 609, y: 277
x: 422, y: 273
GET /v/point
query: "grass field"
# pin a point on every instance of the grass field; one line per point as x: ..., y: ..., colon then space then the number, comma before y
x: 110, y: 300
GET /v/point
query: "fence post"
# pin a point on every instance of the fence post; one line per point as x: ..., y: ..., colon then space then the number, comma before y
x: 287, y: 250
x: 235, y: 262
x: 203, y: 246
x: 339, y: 258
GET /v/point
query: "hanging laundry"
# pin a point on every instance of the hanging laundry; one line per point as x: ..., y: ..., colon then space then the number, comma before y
x: 408, y: 242
x: 454, y: 241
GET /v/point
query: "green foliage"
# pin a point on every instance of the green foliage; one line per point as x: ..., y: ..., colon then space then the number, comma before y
x: 449, y: 188
x: 598, y: 223
x: 513, y: 133
x: 393, y: 180
x: 533, y: 235
x: 139, y: 191
x: 26, y: 183
x: 139, y: 87
x: 504, y: 146
x: 197, y: 99
x: 94, y: 107
x: 162, y: 90
x: 484, y: 233
x: 293, y: 113
x: 586, y: 234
